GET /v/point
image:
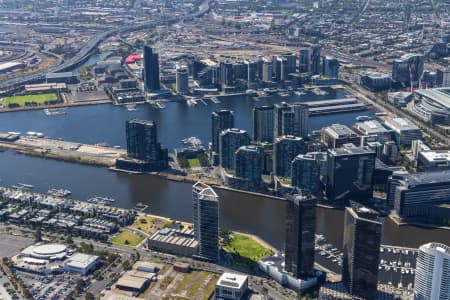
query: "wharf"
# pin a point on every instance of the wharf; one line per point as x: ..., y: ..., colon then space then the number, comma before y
x: 70, y: 151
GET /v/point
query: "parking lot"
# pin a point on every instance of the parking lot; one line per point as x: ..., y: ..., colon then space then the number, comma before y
x: 11, y: 244
x: 49, y: 287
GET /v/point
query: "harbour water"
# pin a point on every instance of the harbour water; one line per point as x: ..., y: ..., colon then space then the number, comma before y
x: 106, y: 123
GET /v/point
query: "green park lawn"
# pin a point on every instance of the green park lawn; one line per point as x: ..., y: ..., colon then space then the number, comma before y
x: 30, y: 99
x: 246, y: 247
x: 194, y: 163
x: 127, y: 238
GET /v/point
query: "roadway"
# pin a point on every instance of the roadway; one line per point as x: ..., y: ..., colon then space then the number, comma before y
x: 93, y: 43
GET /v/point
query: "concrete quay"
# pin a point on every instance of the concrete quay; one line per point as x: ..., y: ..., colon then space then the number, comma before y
x: 57, y: 149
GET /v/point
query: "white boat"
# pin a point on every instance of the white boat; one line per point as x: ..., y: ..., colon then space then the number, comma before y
x: 14, y: 132
x: 28, y: 186
x: 363, y: 118
x: 299, y: 93
x: 131, y: 107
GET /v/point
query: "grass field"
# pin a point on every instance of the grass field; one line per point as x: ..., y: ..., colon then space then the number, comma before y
x: 126, y: 238
x: 29, y: 99
x: 194, y: 163
x: 149, y: 224
x: 246, y: 247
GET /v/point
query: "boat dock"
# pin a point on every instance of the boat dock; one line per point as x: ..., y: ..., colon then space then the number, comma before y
x: 333, y: 106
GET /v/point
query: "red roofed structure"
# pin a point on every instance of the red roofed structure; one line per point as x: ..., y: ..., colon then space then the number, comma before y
x: 131, y: 59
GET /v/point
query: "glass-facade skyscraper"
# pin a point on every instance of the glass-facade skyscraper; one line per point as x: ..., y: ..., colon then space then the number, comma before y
x: 361, y: 251
x: 300, y: 234
x: 350, y: 173
x: 142, y: 142
x: 206, y: 221
x: 151, y: 70
x: 432, y: 280
x: 285, y: 149
x: 263, y: 124
x: 230, y: 141
x: 249, y: 163
x: 220, y: 121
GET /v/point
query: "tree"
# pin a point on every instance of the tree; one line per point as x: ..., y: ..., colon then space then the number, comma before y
x: 38, y: 235
x: 89, y: 296
x: 80, y: 284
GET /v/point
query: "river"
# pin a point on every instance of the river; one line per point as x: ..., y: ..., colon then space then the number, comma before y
x: 238, y: 211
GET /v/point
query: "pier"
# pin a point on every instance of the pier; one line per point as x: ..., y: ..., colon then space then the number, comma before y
x: 70, y: 151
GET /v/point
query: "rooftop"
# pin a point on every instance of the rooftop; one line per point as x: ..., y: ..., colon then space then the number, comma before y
x: 421, y: 178
x: 401, y: 124
x: 439, y: 95
x: 232, y: 280
x: 436, y: 156
x: 339, y: 130
x: 354, y: 150
x: 370, y: 127
x: 436, y: 246
x: 81, y: 260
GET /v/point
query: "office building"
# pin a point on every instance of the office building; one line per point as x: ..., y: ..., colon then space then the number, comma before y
x: 252, y: 68
x: 375, y: 82
x: 231, y: 287
x: 240, y: 71
x: 286, y: 148
x: 432, y: 279
x: 408, y: 69
x: 336, y: 135
x: 283, y: 119
x: 291, y: 119
x: 289, y: 65
x: 263, y: 123
x: 438, y: 160
x: 361, y: 249
x: 226, y: 73
x: 220, y: 120
x: 231, y: 140
x: 301, y: 119
x: 142, y: 142
x: 198, y: 189
x: 330, y: 67
x: 267, y: 71
x: 304, y: 60
x: 314, y: 60
x: 372, y: 131
x: 300, y: 235
x: 443, y: 77
x: 306, y: 172
x: 182, y: 81
x: 208, y: 225
x: 151, y: 70
x: 249, y: 161
x: 278, y: 66
x: 418, y: 146
x: 415, y: 192
x: 349, y: 173
x: 404, y: 131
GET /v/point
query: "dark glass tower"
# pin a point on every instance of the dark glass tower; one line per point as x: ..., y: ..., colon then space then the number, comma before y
x: 350, y: 173
x: 206, y: 219
x: 221, y: 120
x: 315, y: 60
x: 300, y: 235
x: 151, y: 70
x: 361, y: 249
x: 142, y: 143
x: 263, y: 124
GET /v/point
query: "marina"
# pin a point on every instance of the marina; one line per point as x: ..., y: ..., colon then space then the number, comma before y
x: 107, y: 201
x: 59, y: 192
